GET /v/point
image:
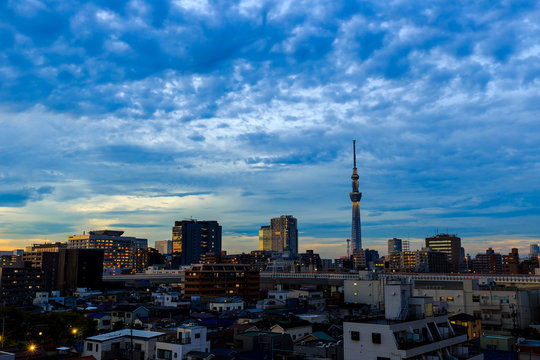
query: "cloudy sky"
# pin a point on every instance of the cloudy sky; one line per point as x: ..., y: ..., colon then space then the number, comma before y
x: 133, y: 114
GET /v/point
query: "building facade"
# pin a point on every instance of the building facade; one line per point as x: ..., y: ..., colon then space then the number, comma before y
x: 448, y: 244
x: 265, y: 238
x: 192, y: 238
x: 164, y: 247
x: 119, y: 251
x: 284, y: 232
x: 395, y: 245
x: 80, y: 268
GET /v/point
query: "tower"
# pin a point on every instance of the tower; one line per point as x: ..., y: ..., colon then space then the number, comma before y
x: 356, y: 236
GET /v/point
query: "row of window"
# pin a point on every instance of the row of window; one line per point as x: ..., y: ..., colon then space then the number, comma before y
x: 375, y: 337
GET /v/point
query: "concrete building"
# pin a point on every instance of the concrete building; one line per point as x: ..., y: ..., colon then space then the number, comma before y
x: 18, y: 285
x: 119, y: 251
x: 193, y: 238
x: 500, y: 308
x: 284, y: 231
x: 410, y: 329
x: 222, y: 280
x: 448, y: 244
x: 80, y: 268
x: 395, y: 245
x: 222, y: 305
x: 488, y: 263
x: 369, y: 292
x: 118, y: 344
x: 164, y: 247
x: 534, y: 250
x: 265, y: 238
x: 188, y: 338
x: 296, y: 328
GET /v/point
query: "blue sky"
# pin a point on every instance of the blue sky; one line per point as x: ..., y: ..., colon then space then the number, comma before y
x: 133, y: 114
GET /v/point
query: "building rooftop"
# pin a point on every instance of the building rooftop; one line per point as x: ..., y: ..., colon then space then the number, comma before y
x: 142, y: 334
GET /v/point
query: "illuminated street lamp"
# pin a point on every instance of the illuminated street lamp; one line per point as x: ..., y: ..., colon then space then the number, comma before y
x: 32, y: 347
x: 74, y: 331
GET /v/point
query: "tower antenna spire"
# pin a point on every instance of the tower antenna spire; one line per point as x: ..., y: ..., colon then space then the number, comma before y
x: 354, y: 152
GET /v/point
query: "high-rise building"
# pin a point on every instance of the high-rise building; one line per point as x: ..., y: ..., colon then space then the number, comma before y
x: 488, y: 263
x: 45, y: 257
x: 164, y: 247
x: 265, y: 238
x: 284, y: 234
x: 394, y: 245
x: 534, y: 250
x: 511, y: 264
x: 448, y: 244
x: 80, y: 268
x: 355, y: 195
x: 119, y: 250
x: 192, y: 238
x: 18, y: 285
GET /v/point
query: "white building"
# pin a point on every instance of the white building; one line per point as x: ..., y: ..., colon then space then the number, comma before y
x: 226, y: 304
x: 369, y: 292
x: 296, y: 329
x: 188, y: 338
x: 410, y: 329
x: 118, y: 344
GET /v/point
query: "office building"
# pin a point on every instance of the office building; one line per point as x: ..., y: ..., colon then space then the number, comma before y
x: 47, y: 261
x: 119, y: 251
x: 80, y: 268
x: 488, y: 263
x: 355, y: 195
x: 424, y: 261
x: 448, y: 244
x: 164, y: 247
x: 265, y: 238
x: 511, y: 263
x: 534, y: 250
x: 18, y: 285
x: 46, y: 247
x: 310, y: 261
x: 284, y: 231
x: 217, y: 280
x: 394, y: 245
x: 191, y: 239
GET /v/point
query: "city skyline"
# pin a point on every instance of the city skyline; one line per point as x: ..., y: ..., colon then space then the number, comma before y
x: 132, y: 116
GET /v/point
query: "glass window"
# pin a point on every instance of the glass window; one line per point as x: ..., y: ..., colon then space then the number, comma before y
x: 89, y: 346
x: 376, y: 338
x: 355, y: 335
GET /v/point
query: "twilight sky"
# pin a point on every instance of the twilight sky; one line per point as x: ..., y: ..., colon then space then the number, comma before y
x: 133, y: 114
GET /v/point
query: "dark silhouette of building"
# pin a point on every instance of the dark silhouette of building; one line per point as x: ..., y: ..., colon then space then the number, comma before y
x: 448, y: 244
x: 216, y: 280
x: 18, y: 285
x: 395, y: 245
x: 355, y: 195
x: 284, y: 232
x: 511, y: 264
x: 148, y: 257
x: 80, y: 268
x: 310, y: 261
x: 191, y: 239
x: 47, y: 261
x: 488, y: 263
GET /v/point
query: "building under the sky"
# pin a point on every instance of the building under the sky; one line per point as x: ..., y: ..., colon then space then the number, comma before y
x: 284, y: 232
x: 191, y: 239
x: 265, y: 238
x: 356, y: 236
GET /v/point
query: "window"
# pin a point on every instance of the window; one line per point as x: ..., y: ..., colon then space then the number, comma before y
x: 442, y: 298
x: 476, y: 298
x: 197, y: 336
x: 355, y: 335
x: 89, y: 346
x: 138, y: 347
x: 450, y: 298
x: 376, y: 338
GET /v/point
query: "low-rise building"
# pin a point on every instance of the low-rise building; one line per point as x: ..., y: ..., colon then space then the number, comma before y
x: 221, y: 305
x: 127, y: 343
x: 295, y: 328
x: 188, y: 338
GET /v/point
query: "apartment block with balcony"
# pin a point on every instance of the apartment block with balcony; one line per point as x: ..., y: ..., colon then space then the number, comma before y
x: 188, y: 338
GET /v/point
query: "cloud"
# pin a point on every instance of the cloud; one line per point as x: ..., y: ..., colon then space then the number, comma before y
x: 143, y: 112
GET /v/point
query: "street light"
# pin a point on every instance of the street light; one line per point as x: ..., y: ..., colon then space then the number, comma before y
x: 74, y: 331
x: 32, y: 347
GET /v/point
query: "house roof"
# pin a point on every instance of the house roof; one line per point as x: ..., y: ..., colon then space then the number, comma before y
x: 129, y: 308
x: 257, y: 333
x: 141, y: 334
x: 96, y: 315
x: 292, y: 324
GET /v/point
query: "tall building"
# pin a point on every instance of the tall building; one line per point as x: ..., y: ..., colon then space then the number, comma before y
x: 44, y: 257
x: 18, y: 285
x: 448, y: 244
x: 164, y: 247
x: 265, y: 238
x: 284, y: 234
x: 488, y: 263
x: 355, y: 195
x: 534, y: 250
x: 511, y: 264
x: 119, y: 250
x: 192, y: 238
x: 394, y: 245
x: 80, y: 268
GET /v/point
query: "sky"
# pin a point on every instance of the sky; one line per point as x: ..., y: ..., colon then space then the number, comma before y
x: 133, y: 114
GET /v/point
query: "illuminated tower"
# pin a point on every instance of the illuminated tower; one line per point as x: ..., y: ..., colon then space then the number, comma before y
x: 356, y: 236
